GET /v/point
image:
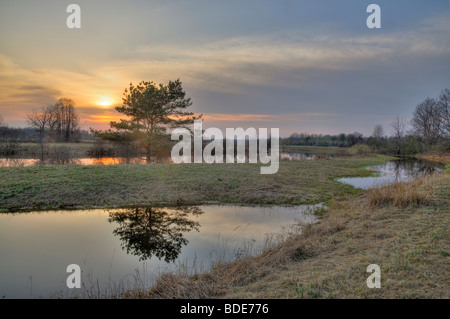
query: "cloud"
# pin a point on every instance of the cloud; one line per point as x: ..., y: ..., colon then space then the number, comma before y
x: 258, y: 78
x: 35, y: 94
x: 306, y: 116
x: 280, y: 60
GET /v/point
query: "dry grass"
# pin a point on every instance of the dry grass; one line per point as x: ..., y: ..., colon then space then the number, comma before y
x: 403, y: 194
x: 440, y: 158
x: 410, y: 242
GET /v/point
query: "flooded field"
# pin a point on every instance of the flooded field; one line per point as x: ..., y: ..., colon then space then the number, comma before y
x: 123, y: 248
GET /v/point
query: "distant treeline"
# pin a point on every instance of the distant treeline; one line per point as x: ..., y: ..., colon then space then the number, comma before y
x: 340, y: 140
x: 10, y: 138
x: 427, y: 130
x: 383, y: 144
x: 29, y: 135
x: 20, y: 134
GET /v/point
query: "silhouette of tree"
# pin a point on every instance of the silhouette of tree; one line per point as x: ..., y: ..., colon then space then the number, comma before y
x: 60, y: 121
x: 427, y: 121
x: 399, y: 130
x: 149, y: 231
x: 151, y: 110
x: 64, y: 123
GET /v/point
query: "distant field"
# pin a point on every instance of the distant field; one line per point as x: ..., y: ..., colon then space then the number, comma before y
x: 34, y: 149
x: 73, y: 186
x: 79, y: 149
x: 324, y: 150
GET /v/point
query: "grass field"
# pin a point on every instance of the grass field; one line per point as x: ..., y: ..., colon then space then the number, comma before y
x: 322, y: 150
x: 403, y: 228
x: 74, y: 186
x: 409, y: 240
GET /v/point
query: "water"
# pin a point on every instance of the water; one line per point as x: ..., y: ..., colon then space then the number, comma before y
x: 393, y: 172
x: 128, y: 247
x: 21, y: 162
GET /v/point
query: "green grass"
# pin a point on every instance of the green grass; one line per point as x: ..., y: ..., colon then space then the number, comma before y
x: 323, y: 150
x: 74, y: 186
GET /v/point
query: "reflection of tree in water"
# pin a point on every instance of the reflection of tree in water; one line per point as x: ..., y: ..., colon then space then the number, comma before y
x: 148, y: 231
x: 413, y: 168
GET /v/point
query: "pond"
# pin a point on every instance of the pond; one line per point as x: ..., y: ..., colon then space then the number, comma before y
x: 394, y: 171
x: 125, y: 248
x: 21, y: 162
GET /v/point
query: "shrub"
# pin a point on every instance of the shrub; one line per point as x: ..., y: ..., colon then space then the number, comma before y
x: 9, y: 147
x: 100, y: 149
x: 360, y: 149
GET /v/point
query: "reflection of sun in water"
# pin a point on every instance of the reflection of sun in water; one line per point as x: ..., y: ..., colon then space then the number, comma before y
x: 105, y: 101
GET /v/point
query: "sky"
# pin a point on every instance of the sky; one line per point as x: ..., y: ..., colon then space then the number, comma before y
x: 300, y: 66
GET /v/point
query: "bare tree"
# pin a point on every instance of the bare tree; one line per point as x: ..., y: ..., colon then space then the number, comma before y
x: 64, y: 122
x: 399, y: 129
x: 376, y: 141
x: 39, y: 120
x: 59, y: 121
x: 378, y: 131
x: 427, y: 121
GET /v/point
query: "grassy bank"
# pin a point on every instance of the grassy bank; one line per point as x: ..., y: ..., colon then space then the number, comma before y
x: 439, y: 158
x: 406, y: 234
x: 73, y: 186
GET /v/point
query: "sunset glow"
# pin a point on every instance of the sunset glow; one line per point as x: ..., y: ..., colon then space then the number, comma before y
x: 308, y: 70
x: 105, y: 101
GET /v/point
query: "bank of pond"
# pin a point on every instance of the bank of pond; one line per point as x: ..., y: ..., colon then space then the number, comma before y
x: 125, y: 248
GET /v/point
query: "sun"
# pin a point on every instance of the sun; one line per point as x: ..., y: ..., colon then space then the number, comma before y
x: 105, y: 101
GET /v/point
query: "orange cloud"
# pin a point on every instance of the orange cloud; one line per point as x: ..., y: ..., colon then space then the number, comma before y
x: 98, y: 118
